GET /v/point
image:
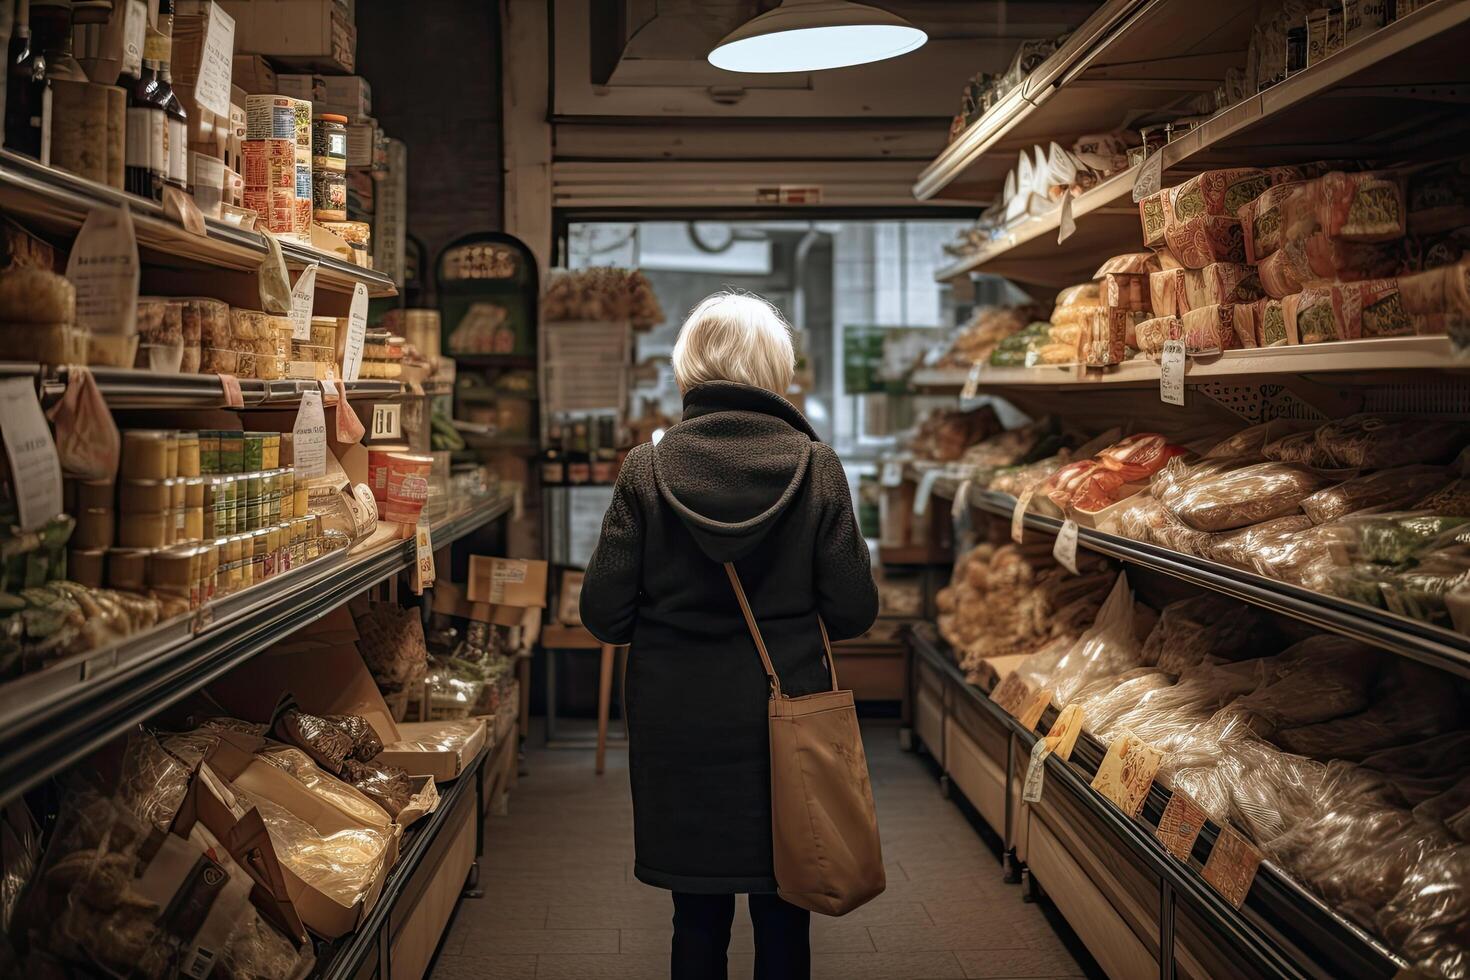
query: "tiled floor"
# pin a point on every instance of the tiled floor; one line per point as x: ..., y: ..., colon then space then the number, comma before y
x: 561, y: 902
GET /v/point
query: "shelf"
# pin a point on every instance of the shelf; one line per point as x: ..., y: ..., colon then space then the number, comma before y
x: 133, y: 388
x: 1411, y: 638
x: 506, y: 362
x: 1344, y: 357
x: 55, y: 717
x: 1391, y: 95
x: 60, y: 202
x: 1280, y: 923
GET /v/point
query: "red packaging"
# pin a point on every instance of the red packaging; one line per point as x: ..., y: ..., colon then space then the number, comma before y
x: 1359, y: 207
x: 408, y: 487
x: 1220, y: 282
x: 1092, y: 484
x: 1199, y: 241
x: 378, y: 467
x: 1278, y: 276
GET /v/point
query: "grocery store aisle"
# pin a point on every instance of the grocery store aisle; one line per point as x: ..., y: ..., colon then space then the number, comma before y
x: 561, y: 902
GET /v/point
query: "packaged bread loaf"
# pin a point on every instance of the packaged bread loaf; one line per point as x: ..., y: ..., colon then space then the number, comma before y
x: 1359, y: 207
x: 36, y: 296
x: 1396, y: 488
x: 1126, y: 291
x: 1205, y: 238
x: 1110, y: 335
x: 1246, y: 495
x: 1277, y: 275
x: 1347, y: 311
x: 1264, y: 221
x: 1221, y: 327
x: 1271, y: 324
x: 1166, y: 292
x: 1217, y: 192
x: 1151, y: 215
x: 1220, y: 282
x: 1151, y: 334
x: 1371, y: 441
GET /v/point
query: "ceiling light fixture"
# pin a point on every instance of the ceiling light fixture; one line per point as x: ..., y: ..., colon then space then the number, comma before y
x: 814, y: 35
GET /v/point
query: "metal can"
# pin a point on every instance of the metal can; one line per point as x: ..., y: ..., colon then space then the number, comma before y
x: 329, y: 167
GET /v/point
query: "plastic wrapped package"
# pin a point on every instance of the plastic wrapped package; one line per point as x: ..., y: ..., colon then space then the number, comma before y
x: 1092, y: 485
x: 1251, y: 441
x: 1016, y: 480
x: 365, y: 742
x: 1322, y: 678
x: 448, y: 736
x: 1453, y: 500
x: 391, y: 640
x: 344, y: 797
x: 1428, y: 920
x: 1252, y: 547
x: 1136, y: 518
x: 327, y: 743
x: 1109, y: 648
x: 388, y: 786
x: 1414, y: 703
x: 1382, y: 441
x: 342, y: 864
x: 1105, y: 699
x: 1395, y: 488
x: 1208, y: 627
x: 1450, y: 807
x: 153, y: 782
x: 1421, y: 771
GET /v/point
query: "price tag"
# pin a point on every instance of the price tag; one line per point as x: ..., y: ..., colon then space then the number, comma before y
x: 1171, y: 373
x: 1031, y: 714
x: 1232, y: 865
x: 231, y: 385
x: 1065, y: 549
x: 422, y: 575
x: 1036, y: 771
x: 1127, y: 771
x: 961, y: 499
x: 1179, y: 826
x: 1066, y: 224
x: 386, y: 421
x: 1150, y: 176
x: 35, y: 469
x: 356, y: 329
x: 309, y: 437
x: 303, y: 296
x: 1018, y: 516
x: 892, y: 475
x: 972, y: 383
x: 103, y: 267
x: 179, y: 206
x: 1063, y: 735
x: 924, y: 491
x: 216, y: 62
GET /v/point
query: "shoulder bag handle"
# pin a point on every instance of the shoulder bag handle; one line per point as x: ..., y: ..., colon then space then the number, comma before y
x: 760, y: 643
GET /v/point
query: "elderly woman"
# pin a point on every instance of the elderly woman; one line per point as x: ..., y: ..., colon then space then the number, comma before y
x: 741, y: 479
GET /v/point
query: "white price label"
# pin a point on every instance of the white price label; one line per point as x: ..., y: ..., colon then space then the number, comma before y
x: 1018, y: 516
x: 961, y: 500
x: 423, y: 564
x: 216, y: 62
x: 356, y: 329
x: 892, y: 475
x: 103, y: 267
x: 1150, y: 176
x: 972, y: 383
x: 1065, y: 549
x: 1171, y: 373
x: 35, y: 470
x: 309, y: 437
x: 924, y: 491
x: 1066, y: 224
x: 303, y: 296
x: 386, y: 421
x: 1036, y: 771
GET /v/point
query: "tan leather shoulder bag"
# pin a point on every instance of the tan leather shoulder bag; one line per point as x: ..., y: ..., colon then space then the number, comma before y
x: 824, y: 830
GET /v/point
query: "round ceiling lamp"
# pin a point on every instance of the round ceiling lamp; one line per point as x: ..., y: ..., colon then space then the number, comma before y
x: 813, y: 35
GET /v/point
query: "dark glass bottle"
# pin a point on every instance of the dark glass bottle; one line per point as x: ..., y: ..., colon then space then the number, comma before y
x: 147, y: 135
x: 579, y: 458
x: 176, y: 126
x: 553, y: 462
x: 605, y: 451
x: 25, y: 87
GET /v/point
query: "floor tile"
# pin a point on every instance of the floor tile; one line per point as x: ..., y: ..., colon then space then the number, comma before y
x: 1019, y: 963
x: 508, y: 942
x: 926, y: 937
x: 484, y: 968
x: 622, y: 967
x: 885, y: 966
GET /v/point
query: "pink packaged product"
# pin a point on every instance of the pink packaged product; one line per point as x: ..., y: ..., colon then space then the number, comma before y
x: 1126, y: 291
x: 1151, y: 334
x: 1220, y: 282
x: 1152, y: 211
x: 1166, y: 291
x: 1359, y: 207
x: 1271, y: 324
x: 1217, y: 192
x: 1263, y: 221
x: 1222, y: 327
x: 1199, y: 241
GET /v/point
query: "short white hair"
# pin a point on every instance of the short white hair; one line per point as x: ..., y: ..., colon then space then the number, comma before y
x: 736, y: 337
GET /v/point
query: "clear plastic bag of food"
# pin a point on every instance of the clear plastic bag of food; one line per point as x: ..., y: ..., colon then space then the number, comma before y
x: 1383, y: 441
x: 1246, y: 495
x: 1413, y: 702
x: 1321, y: 678
x: 1208, y: 627
x: 153, y: 782
x: 344, y: 797
x: 343, y: 863
x: 1393, y: 489
x: 388, y: 786
x: 445, y: 736
x: 1109, y: 648
x: 327, y: 743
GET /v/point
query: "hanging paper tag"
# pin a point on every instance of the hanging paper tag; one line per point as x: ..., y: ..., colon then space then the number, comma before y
x: 216, y: 63
x: 230, y: 384
x: 1232, y: 865
x: 972, y: 383
x: 303, y: 296
x: 104, y: 269
x: 924, y: 491
x: 329, y: 391
x: 1018, y: 516
x: 892, y: 475
x: 364, y: 508
x: 309, y: 437
x: 1009, y: 693
x: 1150, y: 176
x: 356, y: 329
x: 1065, y: 549
x: 1031, y: 714
x: 423, y: 566
x: 1126, y: 773
x: 961, y: 500
x: 1036, y: 772
x: 178, y: 205
x: 1063, y: 735
x: 1179, y: 826
x: 273, y: 279
x: 1171, y: 373
x: 386, y: 421
x: 1066, y: 224
x: 35, y: 469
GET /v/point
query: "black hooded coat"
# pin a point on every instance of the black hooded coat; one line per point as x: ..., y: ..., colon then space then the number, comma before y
x: 742, y: 478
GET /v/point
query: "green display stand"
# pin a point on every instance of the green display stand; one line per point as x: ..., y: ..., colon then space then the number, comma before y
x: 488, y: 288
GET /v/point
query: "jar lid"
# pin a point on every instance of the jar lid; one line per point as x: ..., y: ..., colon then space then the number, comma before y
x: 411, y: 457
x: 331, y: 117
x: 149, y: 435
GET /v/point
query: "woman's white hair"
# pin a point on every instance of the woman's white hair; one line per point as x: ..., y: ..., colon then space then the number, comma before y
x: 735, y: 337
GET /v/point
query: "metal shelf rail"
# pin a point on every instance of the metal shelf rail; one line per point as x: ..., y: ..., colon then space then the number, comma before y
x: 42, y: 735
x: 134, y: 388
x: 1280, y: 921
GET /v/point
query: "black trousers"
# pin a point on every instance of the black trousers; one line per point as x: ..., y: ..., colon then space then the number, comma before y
x: 702, y: 937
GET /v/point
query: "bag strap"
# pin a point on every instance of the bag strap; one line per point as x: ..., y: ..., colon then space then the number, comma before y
x: 760, y: 643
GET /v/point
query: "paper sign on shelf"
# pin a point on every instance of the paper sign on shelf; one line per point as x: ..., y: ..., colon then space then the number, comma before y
x: 961, y: 499
x: 1232, y: 865
x: 1127, y: 771
x: 386, y: 421
x: 1150, y: 176
x: 1036, y: 772
x: 303, y: 296
x: 104, y: 269
x: 356, y: 330
x: 309, y: 436
x: 892, y: 475
x: 924, y: 491
x: 230, y: 384
x: 35, y: 469
x: 972, y: 383
x: 1066, y: 224
x: 1031, y: 714
x: 1065, y: 549
x: 1171, y: 373
x: 1063, y: 735
x: 1018, y: 516
x: 216, y: 62
x: 179, y: 206
x: 1180, y: 825
x: 423, y: 566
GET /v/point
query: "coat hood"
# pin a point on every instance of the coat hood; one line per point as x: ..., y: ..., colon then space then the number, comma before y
x: 733, y: 465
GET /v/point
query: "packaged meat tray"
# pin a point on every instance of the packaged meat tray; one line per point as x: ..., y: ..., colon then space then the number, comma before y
x: 1090, y: 485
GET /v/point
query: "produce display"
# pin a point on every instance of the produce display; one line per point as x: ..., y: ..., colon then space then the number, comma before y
x: 605, y: 294
x: 989, y: 327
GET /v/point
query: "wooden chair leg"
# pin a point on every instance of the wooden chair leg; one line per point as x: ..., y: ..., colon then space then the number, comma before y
x: 604, y: 698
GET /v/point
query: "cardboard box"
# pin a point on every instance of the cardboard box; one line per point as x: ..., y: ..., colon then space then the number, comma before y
x: 568, y: 611
x: 323, y: 913
x: 519, y: 582
x: 254, y: 74
x: 440, y: 749
x: 314, y: 34
x: 348, y: 95
x: 298, y: 87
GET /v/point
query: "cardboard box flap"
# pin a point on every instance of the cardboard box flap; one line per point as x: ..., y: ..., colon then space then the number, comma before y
x: 424, y: 801
x: 327, y: 681
x: 440, y: 749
